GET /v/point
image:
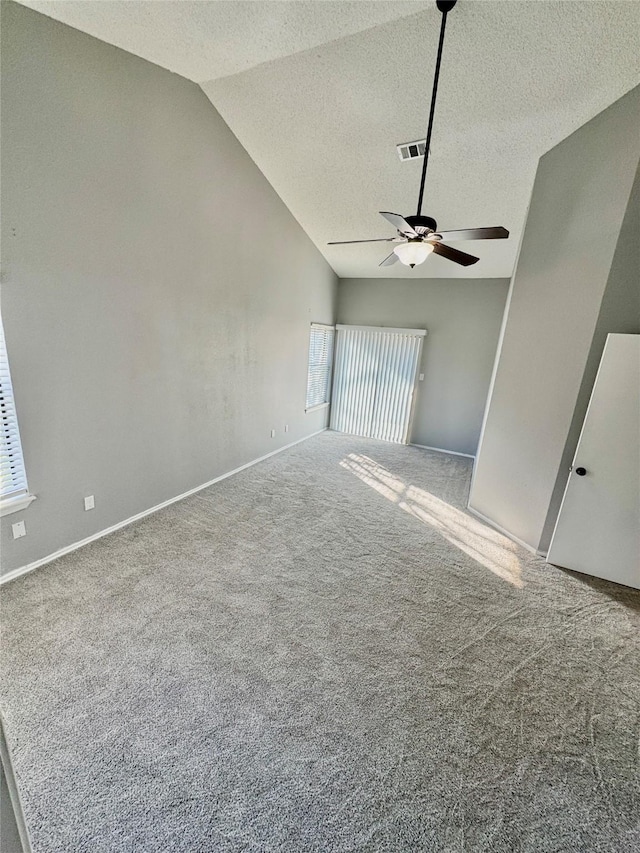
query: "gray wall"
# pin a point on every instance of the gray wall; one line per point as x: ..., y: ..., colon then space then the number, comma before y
x: 157, y: 293
x: 463, y: 318
x: 13, y: 831
x: 619, y: 312
x: 579, y: 200
x: 9, y: 834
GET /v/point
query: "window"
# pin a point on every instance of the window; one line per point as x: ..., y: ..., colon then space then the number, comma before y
x: 14, y: 494
x: 320, y: 361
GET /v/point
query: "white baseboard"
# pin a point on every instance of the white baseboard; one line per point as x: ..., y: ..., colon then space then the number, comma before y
x: 502, y: 530
x: 440, y: 450
x: 23, y: 570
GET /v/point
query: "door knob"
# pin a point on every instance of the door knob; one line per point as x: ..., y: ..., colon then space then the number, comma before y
x: 581, y: 472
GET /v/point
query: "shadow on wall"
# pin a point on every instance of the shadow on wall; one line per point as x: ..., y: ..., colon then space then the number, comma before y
x: 484, y: 545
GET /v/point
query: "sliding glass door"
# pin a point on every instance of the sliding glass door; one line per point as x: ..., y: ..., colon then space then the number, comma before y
x: 374, y: 381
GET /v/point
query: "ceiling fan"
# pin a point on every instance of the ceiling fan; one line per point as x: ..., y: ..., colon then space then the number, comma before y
x: 418, y: 236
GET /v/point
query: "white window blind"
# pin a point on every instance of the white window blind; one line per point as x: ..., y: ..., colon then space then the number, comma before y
x: 320, y: 363
x: 13, y: 480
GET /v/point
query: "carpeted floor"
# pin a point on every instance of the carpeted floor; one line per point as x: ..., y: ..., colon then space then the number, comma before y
x: 324, y: 652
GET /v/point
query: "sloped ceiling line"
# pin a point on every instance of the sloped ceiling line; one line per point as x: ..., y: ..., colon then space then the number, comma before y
x: 320, y: 93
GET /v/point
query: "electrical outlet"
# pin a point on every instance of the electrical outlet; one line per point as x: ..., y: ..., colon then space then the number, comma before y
x: 286, y: 427
x: 18, y: 529
x: 273, y: 433
x: 89, y: 503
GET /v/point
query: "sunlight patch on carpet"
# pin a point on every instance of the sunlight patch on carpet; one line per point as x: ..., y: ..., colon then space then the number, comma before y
x: 484, y: 545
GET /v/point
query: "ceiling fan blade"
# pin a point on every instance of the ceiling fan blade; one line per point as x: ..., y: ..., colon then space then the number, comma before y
x: 375, y: 240
x: 400, y: 223
x: 454, y: 255
x: 390, y: 259
x: 497, y: 233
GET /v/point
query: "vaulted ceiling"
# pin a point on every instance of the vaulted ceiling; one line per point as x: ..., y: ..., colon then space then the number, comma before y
x: 320, y: 92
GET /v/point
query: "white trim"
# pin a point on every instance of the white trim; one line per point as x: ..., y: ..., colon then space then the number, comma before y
x: 23, y: 570
x: 441, y: 450
x: 502, y: 530
x: 319, y: 406
x: 383, y: 329
x: 414, y: 393
x: 15, y: 503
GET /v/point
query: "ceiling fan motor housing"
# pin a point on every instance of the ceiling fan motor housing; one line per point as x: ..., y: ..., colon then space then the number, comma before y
x: 420, y: 223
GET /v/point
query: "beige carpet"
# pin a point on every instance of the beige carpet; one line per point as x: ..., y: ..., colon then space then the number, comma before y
x: 323, y: 653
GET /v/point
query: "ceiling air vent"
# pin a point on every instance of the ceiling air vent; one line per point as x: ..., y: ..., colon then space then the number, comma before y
x: 411, y: 150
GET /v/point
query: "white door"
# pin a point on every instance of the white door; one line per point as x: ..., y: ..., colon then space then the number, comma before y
x: 374, y: 378
x: 598, y: 528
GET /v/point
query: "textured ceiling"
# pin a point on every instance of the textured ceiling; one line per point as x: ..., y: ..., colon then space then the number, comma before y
x: 319, y: 93
x: 207, y: 39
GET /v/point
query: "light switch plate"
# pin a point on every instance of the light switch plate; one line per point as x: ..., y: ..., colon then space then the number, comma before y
x: 18, y: 529
x: 89, y: 503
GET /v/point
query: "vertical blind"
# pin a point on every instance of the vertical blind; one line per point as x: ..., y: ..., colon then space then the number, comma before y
x: 13, y: 480
x: 320, y: 363
x: 374, y: 381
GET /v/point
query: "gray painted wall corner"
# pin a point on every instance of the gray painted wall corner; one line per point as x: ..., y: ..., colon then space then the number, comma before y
x: 155, y: 334
x: 463, y: 319
x: 619, y: 312
x: 577, y: 208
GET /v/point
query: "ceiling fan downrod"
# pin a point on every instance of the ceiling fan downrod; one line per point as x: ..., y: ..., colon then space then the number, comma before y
x: 418, y: 236
x: 445, y: 6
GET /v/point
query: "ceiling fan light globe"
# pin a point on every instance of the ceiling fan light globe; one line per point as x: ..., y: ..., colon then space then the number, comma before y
x: 412, y: 253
